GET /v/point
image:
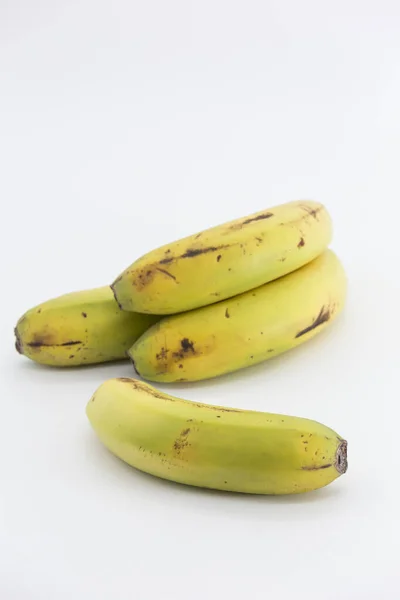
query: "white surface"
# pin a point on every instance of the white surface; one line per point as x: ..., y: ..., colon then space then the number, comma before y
x: 124, y: 125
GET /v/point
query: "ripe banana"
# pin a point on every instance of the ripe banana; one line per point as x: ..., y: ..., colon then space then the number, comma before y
x: 226, y: 260
x: 246, y: 329
x: 214, y: 447
x: 79, y: 329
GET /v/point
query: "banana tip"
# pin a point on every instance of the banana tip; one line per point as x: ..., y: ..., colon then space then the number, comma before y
x: 341, y: 462
x: 134, y: 365
x: 18, y: 344
x: 112, y: 286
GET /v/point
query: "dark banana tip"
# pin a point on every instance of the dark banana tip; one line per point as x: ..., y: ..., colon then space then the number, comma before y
x: 129, y: 357
x: 112, y: 286
x: 133, y: 363
x: 18, y: 344
x: 341, y: 462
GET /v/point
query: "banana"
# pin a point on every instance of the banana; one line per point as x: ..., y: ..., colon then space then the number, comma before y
x: 212, y: 446
x: 246, y: 329
x: 226, y: 260
x: 79, y: 328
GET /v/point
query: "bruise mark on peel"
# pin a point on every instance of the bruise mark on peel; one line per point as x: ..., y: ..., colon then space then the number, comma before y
x: 162, y: 355
x: 313, y: 212
x: 181, y: 441
x: 173, y: 358
x: 143, y: 278
x: 84, y: 315
x: 187, y: 345
x: 227, y: 315
x: 191, y: 252
x: 316, y: 467
x: 323, y: 317
x: 38, y: 343
x: 165, y: 261
x: 266, y: 215
x: 301, y: 243
x: 137, y: 385
x: 166, y: 273
x: 219, y: 257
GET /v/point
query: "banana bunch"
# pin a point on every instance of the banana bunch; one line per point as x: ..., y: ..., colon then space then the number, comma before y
x: 209, y: 304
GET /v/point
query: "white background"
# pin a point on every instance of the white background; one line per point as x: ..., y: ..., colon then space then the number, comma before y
x: 125, y: 124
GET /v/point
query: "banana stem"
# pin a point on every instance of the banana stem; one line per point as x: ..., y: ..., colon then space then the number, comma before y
x: 341, y: 457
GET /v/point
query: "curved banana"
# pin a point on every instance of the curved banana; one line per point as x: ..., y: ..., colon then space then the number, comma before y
x: 226, y: 260
x: 214, y: 447
x: 79, y: 329
x: 246, y: 329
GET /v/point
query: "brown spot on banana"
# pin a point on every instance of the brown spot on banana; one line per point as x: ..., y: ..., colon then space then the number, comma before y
x: 313, y: 212
x: 187, y: 345
x: 38, y: 343
x: 162, y: 355
x: 167, y: 273
x: 248, y: 221
x: 182, y: 441
x: 137, y: 385
x: 323, y: 316
x: 191, y: 252
x: 316, y: 467
x: 167, y: 358
x: 266, y: 215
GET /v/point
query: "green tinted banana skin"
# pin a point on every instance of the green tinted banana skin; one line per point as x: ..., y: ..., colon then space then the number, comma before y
x: 79, y: 328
